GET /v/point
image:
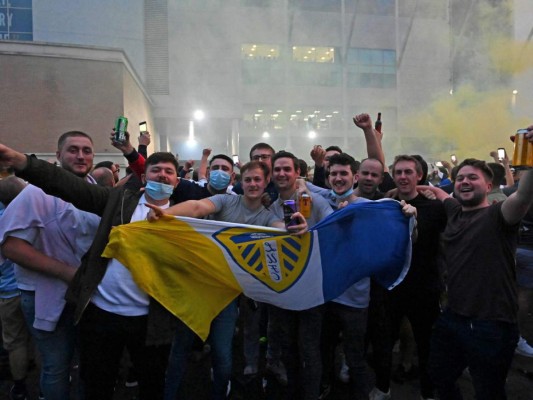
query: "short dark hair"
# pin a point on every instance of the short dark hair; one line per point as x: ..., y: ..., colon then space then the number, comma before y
x: 424, y: 166
x: 286, y: 154
x: 222, y: 157
x: 255, y: 164
x: 105, y: 164
x: 261, y: 146
x: 404, y: 157
x: 479, y: 164
x: 303, y: 168
x: 63, y: 138
x: 498, y: 172
x: 10, y: 187
x: 161, y: 156
x: 344, y: 159
x: 335, y: 148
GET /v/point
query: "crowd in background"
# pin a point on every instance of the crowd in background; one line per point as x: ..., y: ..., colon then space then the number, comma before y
x: 459, y: 308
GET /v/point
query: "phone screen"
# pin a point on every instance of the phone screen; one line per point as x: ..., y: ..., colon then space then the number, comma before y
x: 143, y: 127
x: 438, y: 164
x: 501, y: 153
x: 453, y: 158
x: 235, y: 159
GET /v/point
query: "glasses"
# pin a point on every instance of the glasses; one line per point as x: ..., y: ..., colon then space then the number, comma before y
x: 261, y: 157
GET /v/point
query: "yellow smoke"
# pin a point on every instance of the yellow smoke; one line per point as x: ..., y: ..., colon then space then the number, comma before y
x: 468, y: 123
x: 474, y: 121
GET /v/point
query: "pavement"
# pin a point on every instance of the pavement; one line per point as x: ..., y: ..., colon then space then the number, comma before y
x: 197, y: 382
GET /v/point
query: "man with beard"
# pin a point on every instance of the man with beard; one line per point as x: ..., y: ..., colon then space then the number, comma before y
x: 478, y: 329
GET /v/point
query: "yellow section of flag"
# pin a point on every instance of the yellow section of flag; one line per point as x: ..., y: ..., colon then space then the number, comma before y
x: 195, y: 270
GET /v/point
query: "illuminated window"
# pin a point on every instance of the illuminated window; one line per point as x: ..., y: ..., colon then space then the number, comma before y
x: 313, y: 54
x: 259, y: 52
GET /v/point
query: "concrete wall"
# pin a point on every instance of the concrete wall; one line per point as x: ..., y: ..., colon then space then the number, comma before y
x: 48, y: 90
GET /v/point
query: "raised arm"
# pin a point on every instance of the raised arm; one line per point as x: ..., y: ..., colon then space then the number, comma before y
x: 202, y: 169
x: 373, y: 143
x: 56, y: 181
x: 192, y: 208
x: 12, y: 158
x: 515, y: 207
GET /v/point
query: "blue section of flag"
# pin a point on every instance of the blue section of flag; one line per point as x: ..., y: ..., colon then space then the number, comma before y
x: 363, y: 239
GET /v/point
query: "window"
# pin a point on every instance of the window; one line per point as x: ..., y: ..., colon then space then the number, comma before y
x: 259, y: 52
x: 16, y: 21
x: 313, y: 54
x: 371, y: 68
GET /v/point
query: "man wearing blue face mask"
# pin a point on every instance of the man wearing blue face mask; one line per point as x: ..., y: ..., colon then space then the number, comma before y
x: 112, y: 311
x: 219, y: 176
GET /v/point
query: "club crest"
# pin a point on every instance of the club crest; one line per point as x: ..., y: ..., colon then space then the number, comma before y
x: 277, y: 260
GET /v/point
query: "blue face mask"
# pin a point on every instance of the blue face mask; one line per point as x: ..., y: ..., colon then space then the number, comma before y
x: 158, y: 190
x: 219, y: 179
x: 341, y: 196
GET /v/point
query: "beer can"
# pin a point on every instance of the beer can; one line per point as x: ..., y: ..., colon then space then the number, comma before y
x: 305, y: 205
x: 121, y: 125
x: 289, y: 208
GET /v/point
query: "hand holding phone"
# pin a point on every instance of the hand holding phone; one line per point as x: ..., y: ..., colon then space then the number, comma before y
x: 143, y: 127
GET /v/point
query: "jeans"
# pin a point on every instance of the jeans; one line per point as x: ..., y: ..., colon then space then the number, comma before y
x: 251, y: 313
x: 422, y: 310
x: 379, y: 335
x: 56, y: 349
x: 352, y: 321
x: 303, y: 356
x: 103, y: 337
x: 485, y: 347
x: 221, y: 339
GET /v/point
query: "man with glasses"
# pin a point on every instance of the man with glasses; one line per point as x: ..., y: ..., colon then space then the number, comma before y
x: 114, y: 167
x: 262, y: 152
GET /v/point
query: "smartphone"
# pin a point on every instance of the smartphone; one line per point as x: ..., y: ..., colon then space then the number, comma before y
x: 453, y: 158
x: 235, y: 159
x: 143, y: 127
x: 501, y: 153
x: 438, y: 164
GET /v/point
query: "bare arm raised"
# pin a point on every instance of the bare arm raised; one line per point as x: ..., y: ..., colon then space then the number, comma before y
x: 373, y: 144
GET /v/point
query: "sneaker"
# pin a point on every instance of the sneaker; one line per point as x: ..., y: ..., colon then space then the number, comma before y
x: 344, y: 373
x: 279, y: 371
x: 427, y: 396
x: 377, y: 394
x: 250, y: 370
x: 16, y: 395
x: 131, y: 380
x: 523, y: 348
x: 325, y: 390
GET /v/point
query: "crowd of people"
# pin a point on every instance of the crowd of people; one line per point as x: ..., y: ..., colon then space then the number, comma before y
x: 462, y: 301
